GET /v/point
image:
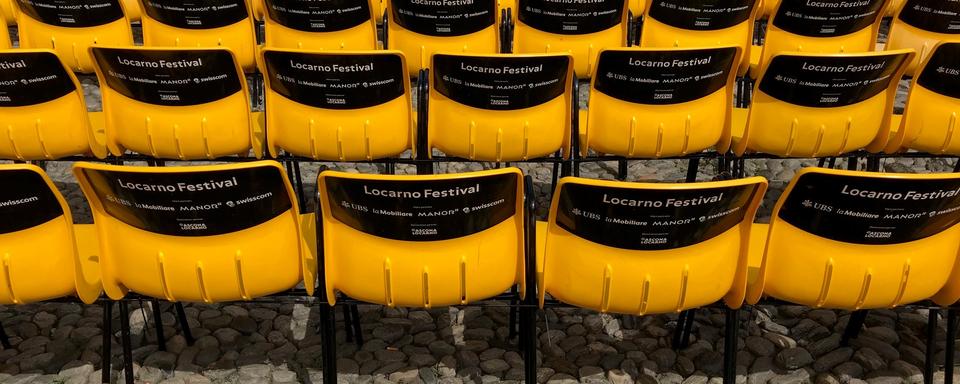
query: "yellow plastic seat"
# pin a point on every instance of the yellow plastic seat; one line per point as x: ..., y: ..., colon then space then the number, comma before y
x: 638, y: 7
x: 5, y: 42
x: 175, y: 103
x: 930, y: 117
x: 500, y: 107
x: 257, y: 7
x: 893, y: 8
x: 768, y: 8
x: 420, y: 29
x: 337, y: 105
x: 651, y: 103
x: 822, y: 105
x: 197, y: 233
x: 131, y: 8
x: 644, y: 248
x: 43, y: 110
x: 920, y: 25
x: 225, y: 23
x: 43, y: 255
x: 422, y: 241
x: 323, y: 25
x: 71, y: 31
x: 8, y: 11
x: 581, y: 29
x: 861, y: 240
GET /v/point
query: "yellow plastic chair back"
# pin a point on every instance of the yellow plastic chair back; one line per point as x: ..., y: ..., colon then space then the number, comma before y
x: 581, y: 29
x: 500, y: 107
x: 829, y: 26
x: 175, y: 103
x: 4, y: 33
x: 208, y: 24
x: 257, y: 7
x: 921, y: 24
x: 8, y: 11
x: 43, y: 110
x: 321, y: 25
x: 197, y: 233
x: 337, y: 105
x: 39, y: 256
x: 823, y: 105
x: 893, y: 7
x: 132, y: 9
x: 643, y: 248
x: 930, y: 117
x: 861, y: 240
x: 768, y: 9
x: 421, y: 28
x: 422, y: 241
x: 70, y: 30
x: 652, y: 103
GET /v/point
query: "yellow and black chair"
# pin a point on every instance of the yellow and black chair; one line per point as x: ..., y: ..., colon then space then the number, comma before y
x: 929, y: 121
x: 821, y: 105
x: 71, y: 29
x: 323, y: 25
x: 8, y: 11
x: 42, y: 104
x: 921, y: 24
x: 132, y: 8
x: 645, y: 248
x: 5, y: 42
x: 209, y: 24
x: 176, y: 103
x: 581, y: 29
x: 337, y: 105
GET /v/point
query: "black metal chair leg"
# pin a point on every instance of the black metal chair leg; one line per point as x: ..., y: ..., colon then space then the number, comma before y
x: 679, y: 332
x: 951, y: 345
x: 622, y: 170
x: 357, y: 330
x: 347, y: 322
x: 688, y: 328
x: 158, y: 322
x: 106, y: 350
x: 184, y: 325
x: 929, y: 365
x: 693, y: 168
x: 730, y: 346
x: 853, y: 326
x: 528, y: 319
x: 4, y: 339
x: 512, y: 321
x: 125, y: 342
x: 328, y: 334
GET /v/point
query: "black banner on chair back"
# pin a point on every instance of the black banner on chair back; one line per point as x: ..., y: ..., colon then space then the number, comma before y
x: 25, y: 201
x: 28, y: 78
x: 192, y: 203
x: 829, y: 81
x: 664, y: 77
x: 651, y: 219
x: 174, y: 77
x: 336, y: 81
x: 942, y: 72
x: 318, y: 16
x: 196, y: 15
x: 867, y: 210
x: 444, y: 17
x: 423, y: 210
x: 701, y: 15
x: 936, y: 16
x: 573, y: 17
x: 501, y: 82
x: 827, y: 18
x: 74, y: 13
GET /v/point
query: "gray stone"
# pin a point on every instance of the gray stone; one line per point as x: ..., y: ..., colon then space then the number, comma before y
x: 244, y: 324
x: 44, y: 320
x: 162, y: 360
x: 684, y: 366
x: 832, y: 359
x: 494, y: 366
x: 696, y: 378
x: 761, y: 371
x: 389, y: 356
x: 886, y: 351
x: 884, y: 334
x: 869, y: 359
x: 441, y: 348
x: 492, y: 353
x: 422, y: 360
x: 848, y: 370
x: 794, y: 358
x: 33, y: 342
x: 780, y: 341
x: 389, y: 333
x: 226, y: 336
x: 798, y: 376
x: 760, y: 346
x: 820, y: 347
x: 909, y: 372
x: 283, y: 376
x: 591, y: 374
x: 561, y: 378
x: 825, y: 317
x: 710, y: 362
x: 664, y: 357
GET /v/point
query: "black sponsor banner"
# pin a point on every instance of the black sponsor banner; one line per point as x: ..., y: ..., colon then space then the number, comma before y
x: 664, y: 77
x: 500, y: 83
x: 73, y: 13
x: 28, y: 78
x: 336, y: 81
x: 192, y: 203
x: 444, y: 17
x: 172, y: 77
x: 571, y: 17
x: 203, y: 14
x: 867, y: 210
x: 829, y: 81
x: 25, y: 201
x: 701, y: 15
x: 936, y: 16
x: 423, y: 210
x: 318, y: 16
x: 942, y: 73
x: 651, y: 219
x: 827, y: 18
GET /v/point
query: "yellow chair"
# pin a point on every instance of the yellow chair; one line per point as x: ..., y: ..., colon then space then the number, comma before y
x: 226, y: 23
x: 44, y: 113
x: 43, y: 255
x: 8, y: 11
x: 257, y: 7
x: 500, y: 107
x: 4, y: 33
x: 325, y: 25
x: 821, y: 105
x: 198, y: 233
x: 638, y: 7
x: 768, y: 8
x: 132, y: 9
x: 422, y: 241
x: 175, y: 103
x: 421, y: 29
x: 337, y: 105
x: 860, y: 240
x: 929, y: 121
x: 71, y: 32
x: 921, y: 24
x: 651, y: 103
x: 893, y: 8
x: 581, y: 29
